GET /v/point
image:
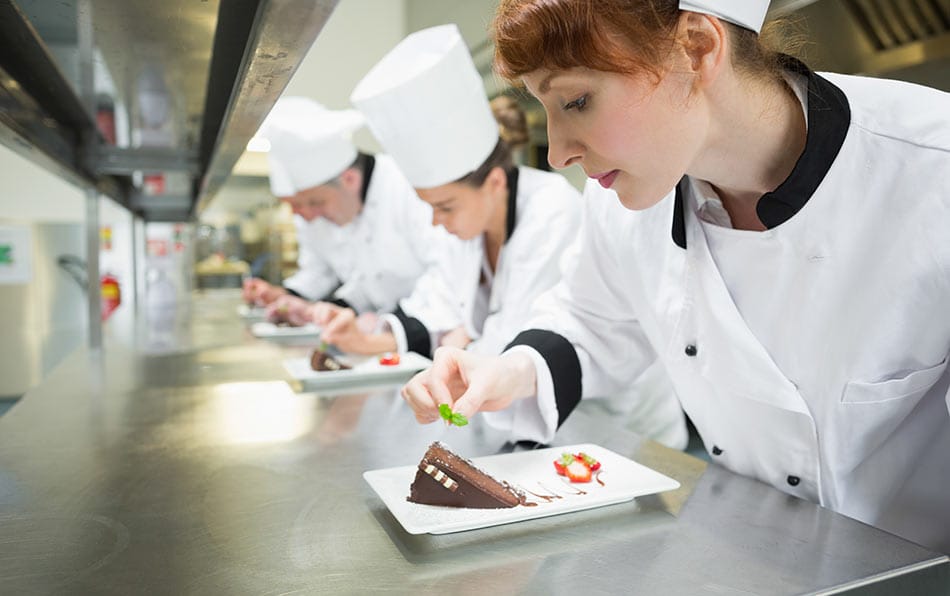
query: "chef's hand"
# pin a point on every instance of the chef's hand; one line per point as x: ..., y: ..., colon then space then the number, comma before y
x: 347, y: 332
x: 469, y: 383
x: 456, y: 338
x: 251, y: 288
x: 322, y: 313
x: 294, y: 310
x: 259, y: 292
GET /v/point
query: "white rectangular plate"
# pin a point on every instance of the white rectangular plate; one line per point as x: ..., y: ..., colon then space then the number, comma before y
x: 623, y: 479
x: 254, y: 313
x: 366, y: 369
x: 265, y: 330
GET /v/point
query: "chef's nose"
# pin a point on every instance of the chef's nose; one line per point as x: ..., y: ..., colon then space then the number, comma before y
x: 563, y: 151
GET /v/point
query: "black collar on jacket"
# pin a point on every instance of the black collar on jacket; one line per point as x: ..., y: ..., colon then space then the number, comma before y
x: 512, y: 174
x: 369, y: 164
x: 829, y: 116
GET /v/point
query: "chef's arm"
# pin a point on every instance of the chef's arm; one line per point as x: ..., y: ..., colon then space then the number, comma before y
x: 432, y: 310
x: 409, y: 333
x: 557, y: 382
x: 315, y: 278
x: 583, y: 336
x: 312, y: 281
x: 534, y: 260
x: 327, y: 298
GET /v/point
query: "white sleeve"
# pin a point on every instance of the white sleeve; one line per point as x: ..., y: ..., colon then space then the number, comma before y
x: 585, y: 328
x: 434, y: 307
x: 314, y: 278
x: 532, y: 261
x: 530, y: 419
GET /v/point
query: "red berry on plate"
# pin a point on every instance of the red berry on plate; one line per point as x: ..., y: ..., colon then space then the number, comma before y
x: 389, y: 359
x: 578, y: 472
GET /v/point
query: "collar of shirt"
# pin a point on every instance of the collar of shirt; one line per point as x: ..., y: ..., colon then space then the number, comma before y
x: 827, y: 116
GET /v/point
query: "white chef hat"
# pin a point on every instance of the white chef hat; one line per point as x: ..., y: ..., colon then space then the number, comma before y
x: 280, y: 183
x: 286, y: 110
x: 425, y: 103
x: 745, y: 13
x: 312, y: 146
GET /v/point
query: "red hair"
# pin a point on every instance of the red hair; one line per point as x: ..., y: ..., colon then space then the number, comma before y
x: 624, y: 36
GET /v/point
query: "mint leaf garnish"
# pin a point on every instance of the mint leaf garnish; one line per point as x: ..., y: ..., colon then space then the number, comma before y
x: 452, y: 417
x: 445, y: 412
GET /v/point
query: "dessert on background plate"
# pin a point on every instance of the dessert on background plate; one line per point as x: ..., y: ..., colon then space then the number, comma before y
x: 321, y: 360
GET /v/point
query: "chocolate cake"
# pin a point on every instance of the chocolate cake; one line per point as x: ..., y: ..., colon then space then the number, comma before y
x: 444, y: 478
x: 320, y: 360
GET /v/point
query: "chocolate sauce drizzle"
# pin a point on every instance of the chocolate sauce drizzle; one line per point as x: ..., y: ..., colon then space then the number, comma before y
x: 545, y: 498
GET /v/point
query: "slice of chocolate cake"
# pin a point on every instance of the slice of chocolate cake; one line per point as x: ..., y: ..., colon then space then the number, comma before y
x: 320, y: 360
x: 444, y: 478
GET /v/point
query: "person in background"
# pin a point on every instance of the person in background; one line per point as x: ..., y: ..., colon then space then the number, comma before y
x: 424, y: 102
x: 363, y: 236
x: 776, y: 237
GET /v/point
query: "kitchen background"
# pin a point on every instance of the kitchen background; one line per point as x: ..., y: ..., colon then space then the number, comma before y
x: 242, y: 230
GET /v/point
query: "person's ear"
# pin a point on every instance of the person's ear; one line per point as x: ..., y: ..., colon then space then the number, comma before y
x: 706, y: 43
x: 351, y: 180
x: 496, y: 181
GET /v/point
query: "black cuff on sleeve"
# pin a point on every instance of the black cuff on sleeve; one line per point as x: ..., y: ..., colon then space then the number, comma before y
x: 563, y: 363
x: 338, y: 301
x: 328, y: 298
x: 417, y: 336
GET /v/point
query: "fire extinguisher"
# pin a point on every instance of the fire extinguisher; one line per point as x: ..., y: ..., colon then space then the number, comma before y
x: 111, y: 295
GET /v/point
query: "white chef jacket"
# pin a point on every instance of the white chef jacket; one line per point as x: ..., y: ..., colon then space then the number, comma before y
x: 544, y: 214
x: 378, y: 256
x: 813, y: 355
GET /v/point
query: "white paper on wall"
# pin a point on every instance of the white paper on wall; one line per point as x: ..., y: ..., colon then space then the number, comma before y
x: 16, y: 255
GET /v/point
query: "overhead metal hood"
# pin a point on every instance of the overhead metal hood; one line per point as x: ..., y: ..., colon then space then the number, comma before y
x: 901, y: 39
x: 151, y: 103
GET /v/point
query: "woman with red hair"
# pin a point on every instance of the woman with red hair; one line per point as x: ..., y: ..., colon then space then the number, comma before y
x: 777, y: 238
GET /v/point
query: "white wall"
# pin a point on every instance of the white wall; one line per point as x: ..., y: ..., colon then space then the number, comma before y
x: 357, y: 35
x: 473, y: 18
x: 29, y: 193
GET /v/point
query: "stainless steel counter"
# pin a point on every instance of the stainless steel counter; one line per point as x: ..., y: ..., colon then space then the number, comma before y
x: 186, y: 464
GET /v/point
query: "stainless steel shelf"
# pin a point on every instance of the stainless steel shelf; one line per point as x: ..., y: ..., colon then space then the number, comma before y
x: 186, y: 84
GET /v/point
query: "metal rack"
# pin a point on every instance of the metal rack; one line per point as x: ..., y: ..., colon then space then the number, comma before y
x: 194, y: 80
x: 148, y: 103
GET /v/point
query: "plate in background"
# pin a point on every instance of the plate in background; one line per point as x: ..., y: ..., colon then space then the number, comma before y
x: 253, y: 313
x: 265, y: 330
x: 366, y: 370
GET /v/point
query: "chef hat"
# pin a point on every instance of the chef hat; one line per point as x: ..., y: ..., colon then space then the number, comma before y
x: 425, y: 103
x: 280, y: 184
x: 286, y: 109
x: 745, y: 13
x: 313, y: 145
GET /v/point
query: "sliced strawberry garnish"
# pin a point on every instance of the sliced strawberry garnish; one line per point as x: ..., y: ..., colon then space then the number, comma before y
x: 561, y: 464
x: 389, y: 359
x: 578, y: 471
x: 592, y: 463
